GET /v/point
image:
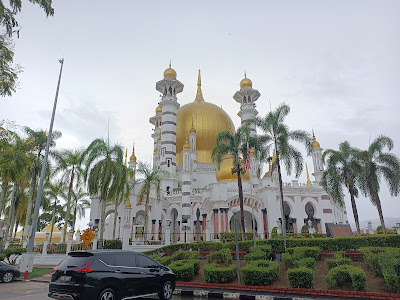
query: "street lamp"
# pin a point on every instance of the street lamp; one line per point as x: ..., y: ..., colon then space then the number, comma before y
x: 235, y: 210
x: 3, y: 232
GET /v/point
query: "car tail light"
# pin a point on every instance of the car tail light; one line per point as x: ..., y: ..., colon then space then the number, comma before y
x: 86, y: 269
x: 55, y: 269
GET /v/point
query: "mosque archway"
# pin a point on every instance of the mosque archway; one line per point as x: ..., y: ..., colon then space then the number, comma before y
x: 175, y: 226
x: 250, y: 223
x: 290, y: 222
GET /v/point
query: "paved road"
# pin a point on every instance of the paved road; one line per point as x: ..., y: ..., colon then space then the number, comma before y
x: 24, y: 290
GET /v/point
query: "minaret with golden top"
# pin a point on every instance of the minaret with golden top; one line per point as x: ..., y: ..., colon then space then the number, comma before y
x: 132, y: 161
x: 169, y: 87
x: 317, y: 160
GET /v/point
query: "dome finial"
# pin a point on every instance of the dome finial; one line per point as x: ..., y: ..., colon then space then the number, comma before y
x: 192, y: 129
x: 315, y: 143
x: 133, y: 156
x: 245, y: 75
x: 170, y: 63
x: 199, y: 95
x: 246, y: 82
x: 126, y: 156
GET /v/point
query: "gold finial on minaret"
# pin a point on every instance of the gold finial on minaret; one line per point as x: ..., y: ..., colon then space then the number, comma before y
x: 126, y: 156
x: 199, y: 95
x: 315, y: 144
x: 133, y: 157
x: 186, y: 146
x: 246, y: 81
x: 268, y: 174
x: 192, y: 129
x: 308, y: 176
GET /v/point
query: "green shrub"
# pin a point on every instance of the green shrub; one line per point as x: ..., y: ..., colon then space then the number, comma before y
x: 301, y: 278
x: 258, y: 253
x: 260, y: 272
x: 12, y: 254
x: 185, y: 270
x: 306, y: 262
x: 390, y: 268
x: 180, y: 255
x: 371, y: 256
x: 340, y: 275
x: 2, y: 256
x: 230, y: 236
x: 338, y: 254
x: 288, y: 260
x: 113, y: 244
x: 165, y: 260
x: 335, y: 262
x: 303, y: 252
x: 213, y: 273
x: 274, y: 232
x: 222, y: 256
x: 194, y: 255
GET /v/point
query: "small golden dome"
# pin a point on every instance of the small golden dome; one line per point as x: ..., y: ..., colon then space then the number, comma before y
x: 315, y: 144
x: 158, y: 110
x: 159, y: 138
x: 246, y: 82
x: 225, y: 171
x: 128, y: 204
x: 186, y: 146
x: 156, y: 150
x: 252, y: 151
x: 170, y: 73
x: 133, y: 157
x: 78, y: 230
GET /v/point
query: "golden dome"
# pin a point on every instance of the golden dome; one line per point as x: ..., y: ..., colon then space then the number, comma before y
x: 170, y: 73
x: 252, y: 151
x: 208, y: 119
x: 155, y: 149
x: 133, y: 157
x: 158, y: 110
x: 315, y: 144
x: 159, y: 138
x: 246, y: 82
x: 225, y: 171
x: 186, y: 146
x: 128, y: 204
x: 78, y: 230
x: 48, y: 229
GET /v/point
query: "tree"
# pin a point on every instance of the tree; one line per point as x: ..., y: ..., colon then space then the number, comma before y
x: 152, y: 179
x: 235, y: 144
x: 80, y: 203
x: 101, y: 171
x: 9, y: 72
x: 69, y: 165
x: 53, y: 192
x: 37, y: 140
x: 376, y: 165
x: 278, y: 135
x: 341, y: 169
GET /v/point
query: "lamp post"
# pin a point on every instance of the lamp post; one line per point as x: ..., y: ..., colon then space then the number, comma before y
x: 2, y: 233
x: 235, y: 210
x: 44, y: 166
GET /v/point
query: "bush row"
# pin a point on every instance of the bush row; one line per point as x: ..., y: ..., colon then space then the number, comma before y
x: 390, y: 268
x: 371, y: 256
x: 338, y: 259
x: 258, y: 253
x: 301, y: 277
x: 185, y: 270
x: 213, y: 273
x: 343, y: 274
x: 260, y: 272
x: 220, y: 257
x: 179, y: 255
x: 326, y: 244
x: 300, y: 263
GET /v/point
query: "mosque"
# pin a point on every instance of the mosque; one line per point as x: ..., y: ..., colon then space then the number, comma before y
x: 199, y: 197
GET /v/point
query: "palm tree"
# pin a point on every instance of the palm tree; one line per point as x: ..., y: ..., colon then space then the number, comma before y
x: 152, y: 179
x: 376, y: 165
x: 278, y: 135
x: 80, y: 203
x: 342, y: 167
x: 37, y: 140
x: 235, y: 144
x: 53, y: 192
x: 69, y: 165
x: 102, y: 163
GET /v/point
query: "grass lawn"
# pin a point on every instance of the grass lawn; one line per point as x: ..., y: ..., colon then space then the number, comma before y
x: 40, y: 272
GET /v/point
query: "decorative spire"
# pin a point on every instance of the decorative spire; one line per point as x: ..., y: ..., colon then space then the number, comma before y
x: 268, y: 174
x: 186, y: 146
x: 315, y: 143
x: 126, y: 156
x: 308, y: 176
x: 192, y: 129
x: 199, y: 95
x: 133, y: 157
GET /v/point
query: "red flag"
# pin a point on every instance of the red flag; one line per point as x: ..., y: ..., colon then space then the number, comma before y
x: 247, y: 164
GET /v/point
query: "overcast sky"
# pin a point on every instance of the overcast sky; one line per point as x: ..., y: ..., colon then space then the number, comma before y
x: 336, y: 63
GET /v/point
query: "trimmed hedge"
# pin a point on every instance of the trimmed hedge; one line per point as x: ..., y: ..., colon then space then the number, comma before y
x: 222, y: 256
x: 346, y: 273
x: 2, y: 256
x: 303, y: 252
x: 260, y: 272
x: 371, y: 257
x: 301, y: 278
x: 185, y: 270
x: 338, y: 259
x: 12, y: 254
x: 301, y: 257
x: 325, y: 244
x: 390, y: 268
x: 306, y: 262
x: 213, y: 273
x: 230, y: 236
x: 258, y: 253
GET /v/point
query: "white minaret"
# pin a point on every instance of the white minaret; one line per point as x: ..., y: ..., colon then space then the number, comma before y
x: 156, y: 135
x: 132, y: 162
x: 247, y: 96
x: 169, y: 87
x: 317, y: 160
x: 186, y: 184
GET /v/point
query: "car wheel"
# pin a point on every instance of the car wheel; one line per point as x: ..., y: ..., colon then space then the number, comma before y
x: 166, y: 291
x: 107, y: 294
x: 7, y: 277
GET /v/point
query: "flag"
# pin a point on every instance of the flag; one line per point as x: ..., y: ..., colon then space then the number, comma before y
x: 274, y: 163
x: 247, y: 164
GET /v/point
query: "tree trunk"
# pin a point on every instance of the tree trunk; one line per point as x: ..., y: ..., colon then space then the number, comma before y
x: 146, y: 211
x: 115, y: 216
x: 241, y: 203
x: 53, y: 217
x: 281, y: 196
x: 378, y: 205
x: 32, y: 189
x: 66, y: 217
x: 16, y: 228
x: 3, y: 196
x: 11, y: 212
x: 354, y: 207
x: 74, y: 221
x: 103, y: 217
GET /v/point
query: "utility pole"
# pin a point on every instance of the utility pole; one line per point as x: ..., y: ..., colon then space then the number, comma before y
x: 43, y: 172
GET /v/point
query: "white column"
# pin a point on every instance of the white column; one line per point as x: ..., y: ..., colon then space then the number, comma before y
x: 45, y: 244
x: 126, y: 227
x: 167, y: 234
x: 95, y: 239
x: 69, y: 245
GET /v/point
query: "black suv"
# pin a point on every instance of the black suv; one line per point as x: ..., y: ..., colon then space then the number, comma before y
x: 110, y: 275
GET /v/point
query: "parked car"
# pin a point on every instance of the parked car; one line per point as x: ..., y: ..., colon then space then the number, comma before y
x: 8, y: 273
x: 110, y: 275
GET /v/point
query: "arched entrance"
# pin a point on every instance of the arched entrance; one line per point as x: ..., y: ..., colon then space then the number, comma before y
x: 175, y: 226
x: 288, y: 220
x: 248, y: 222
